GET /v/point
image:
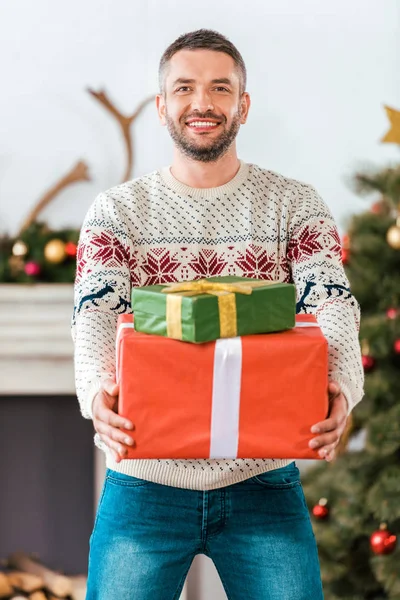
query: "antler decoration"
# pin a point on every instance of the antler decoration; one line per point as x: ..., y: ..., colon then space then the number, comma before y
x: 125, y: 123
x: 78, y: 173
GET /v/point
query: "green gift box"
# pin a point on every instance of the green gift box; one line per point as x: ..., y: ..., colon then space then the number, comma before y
x: 208, y: 309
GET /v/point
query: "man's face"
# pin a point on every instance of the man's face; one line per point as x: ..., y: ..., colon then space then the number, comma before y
x: 202, y: 106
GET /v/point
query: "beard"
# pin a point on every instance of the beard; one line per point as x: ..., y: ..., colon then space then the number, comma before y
x: 215, y: 148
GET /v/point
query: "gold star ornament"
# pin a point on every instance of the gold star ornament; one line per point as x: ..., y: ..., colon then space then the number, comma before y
x: 393, y: 135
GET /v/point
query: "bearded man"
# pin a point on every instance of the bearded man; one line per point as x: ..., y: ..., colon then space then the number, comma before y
x: 208, y: 213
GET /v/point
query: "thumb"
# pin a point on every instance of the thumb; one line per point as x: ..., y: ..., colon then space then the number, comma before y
x: 111, y: 387
x: 334, y: 388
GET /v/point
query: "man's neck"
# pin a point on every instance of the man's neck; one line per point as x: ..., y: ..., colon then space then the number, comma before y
x: 198, y: 174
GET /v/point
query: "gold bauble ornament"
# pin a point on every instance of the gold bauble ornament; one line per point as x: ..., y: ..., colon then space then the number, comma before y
x: 54, y: 251
x: 19, y: 248
x: 393, y: 235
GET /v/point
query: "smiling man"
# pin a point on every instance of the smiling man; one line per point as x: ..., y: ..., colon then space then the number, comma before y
x: 207, y: 214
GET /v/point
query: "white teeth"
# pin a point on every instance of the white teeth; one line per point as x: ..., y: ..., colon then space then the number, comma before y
x: 202, y: 124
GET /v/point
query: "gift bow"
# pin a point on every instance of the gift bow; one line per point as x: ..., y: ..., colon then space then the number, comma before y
x: 226, y: 302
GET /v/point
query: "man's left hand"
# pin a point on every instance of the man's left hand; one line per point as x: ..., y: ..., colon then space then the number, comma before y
x: 332, y: 428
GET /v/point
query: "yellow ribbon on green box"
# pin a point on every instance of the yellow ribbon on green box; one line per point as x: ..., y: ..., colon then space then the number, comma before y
x: 226, y: 302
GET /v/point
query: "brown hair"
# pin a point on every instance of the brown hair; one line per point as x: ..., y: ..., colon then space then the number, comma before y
x: 205, y: 39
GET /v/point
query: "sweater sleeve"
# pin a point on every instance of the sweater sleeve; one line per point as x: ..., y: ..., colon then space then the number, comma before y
x: 101, y: 293
x: 314, y: 254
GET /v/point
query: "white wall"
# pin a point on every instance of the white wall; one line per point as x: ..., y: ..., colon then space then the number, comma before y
x: 319, y: 73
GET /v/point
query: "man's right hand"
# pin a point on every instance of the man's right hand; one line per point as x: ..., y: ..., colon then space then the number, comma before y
x: 108, y: 424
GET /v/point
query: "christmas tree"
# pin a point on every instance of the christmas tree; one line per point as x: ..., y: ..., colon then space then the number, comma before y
x: 355, y: 500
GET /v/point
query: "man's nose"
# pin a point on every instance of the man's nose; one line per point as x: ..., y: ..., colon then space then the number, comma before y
x: 202, y: 101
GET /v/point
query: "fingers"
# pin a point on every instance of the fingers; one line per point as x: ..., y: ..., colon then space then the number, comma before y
x: 108, y: 423
x: 337, y: 416
x: 105, y: 406
x: 108, y: 416
x: 118, y: 450
x: 330, y: 454
x: 114, y: 433
x: 108, y: 426
x: 330, y: 424
x: 331, y: 429
x: 325, y: 440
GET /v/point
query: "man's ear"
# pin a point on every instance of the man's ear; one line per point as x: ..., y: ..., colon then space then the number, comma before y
x: 161, y: 108
x: 244, y: 107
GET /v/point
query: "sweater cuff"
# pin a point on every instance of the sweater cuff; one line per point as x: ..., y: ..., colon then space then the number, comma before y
x: 87, y: 407
x: 345, y: 389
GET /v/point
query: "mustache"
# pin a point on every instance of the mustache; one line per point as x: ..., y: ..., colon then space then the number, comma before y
x: 203, y: 116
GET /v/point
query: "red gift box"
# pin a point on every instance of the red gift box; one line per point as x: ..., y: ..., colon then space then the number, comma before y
x: 254, y: 396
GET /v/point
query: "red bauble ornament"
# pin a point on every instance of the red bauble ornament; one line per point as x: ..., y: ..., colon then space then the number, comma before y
x: 392, y: 313
x: 368, y: 362
x: 346, y: 241
x: 320, y: 510
x: 377, y: 207
x: 32, y: 268
x: 70, y: 249
x: 382, y: 541
x: 396, y: 346
x: 345, y: 256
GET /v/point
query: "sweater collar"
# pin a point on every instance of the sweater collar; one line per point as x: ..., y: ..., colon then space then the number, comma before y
x: 209, y: 193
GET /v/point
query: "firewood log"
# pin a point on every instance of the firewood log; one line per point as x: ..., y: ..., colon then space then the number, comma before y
x: 38, y: 596
x: 26, y: 582
x: 79, y: 584
x: 5, y: 587
x: 57, y: 584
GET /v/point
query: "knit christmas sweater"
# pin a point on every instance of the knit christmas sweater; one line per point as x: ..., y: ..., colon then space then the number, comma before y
x: 154, y: 229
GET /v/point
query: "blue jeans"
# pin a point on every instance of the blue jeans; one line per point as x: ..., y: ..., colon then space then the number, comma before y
x: 257, y: 532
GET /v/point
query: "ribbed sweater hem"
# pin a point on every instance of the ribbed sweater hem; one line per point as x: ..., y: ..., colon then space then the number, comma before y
x: 193, y: 479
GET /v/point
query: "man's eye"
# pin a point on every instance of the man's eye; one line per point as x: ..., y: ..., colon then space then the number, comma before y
x: 222, y: 88
x: 184, y: 87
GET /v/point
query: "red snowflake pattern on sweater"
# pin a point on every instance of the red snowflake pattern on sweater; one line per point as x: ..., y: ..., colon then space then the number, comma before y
x: 110, y: 250
x: 305, y: 244
x: 257, y: 263
x: 160, y: 267
x: 208, y: 263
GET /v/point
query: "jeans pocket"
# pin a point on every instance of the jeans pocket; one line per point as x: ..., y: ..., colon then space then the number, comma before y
x: 103, y: 491
x: 282, y: 478
x: 123, y: 480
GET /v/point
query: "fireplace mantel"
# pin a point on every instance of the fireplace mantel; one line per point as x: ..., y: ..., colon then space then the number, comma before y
x: 36, y: 349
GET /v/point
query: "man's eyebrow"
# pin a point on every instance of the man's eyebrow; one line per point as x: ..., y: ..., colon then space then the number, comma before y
x: 182, y: 80
x: 222, y: 80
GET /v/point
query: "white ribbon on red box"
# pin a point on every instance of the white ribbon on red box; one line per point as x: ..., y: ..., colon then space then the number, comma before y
x: 121, y: 327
